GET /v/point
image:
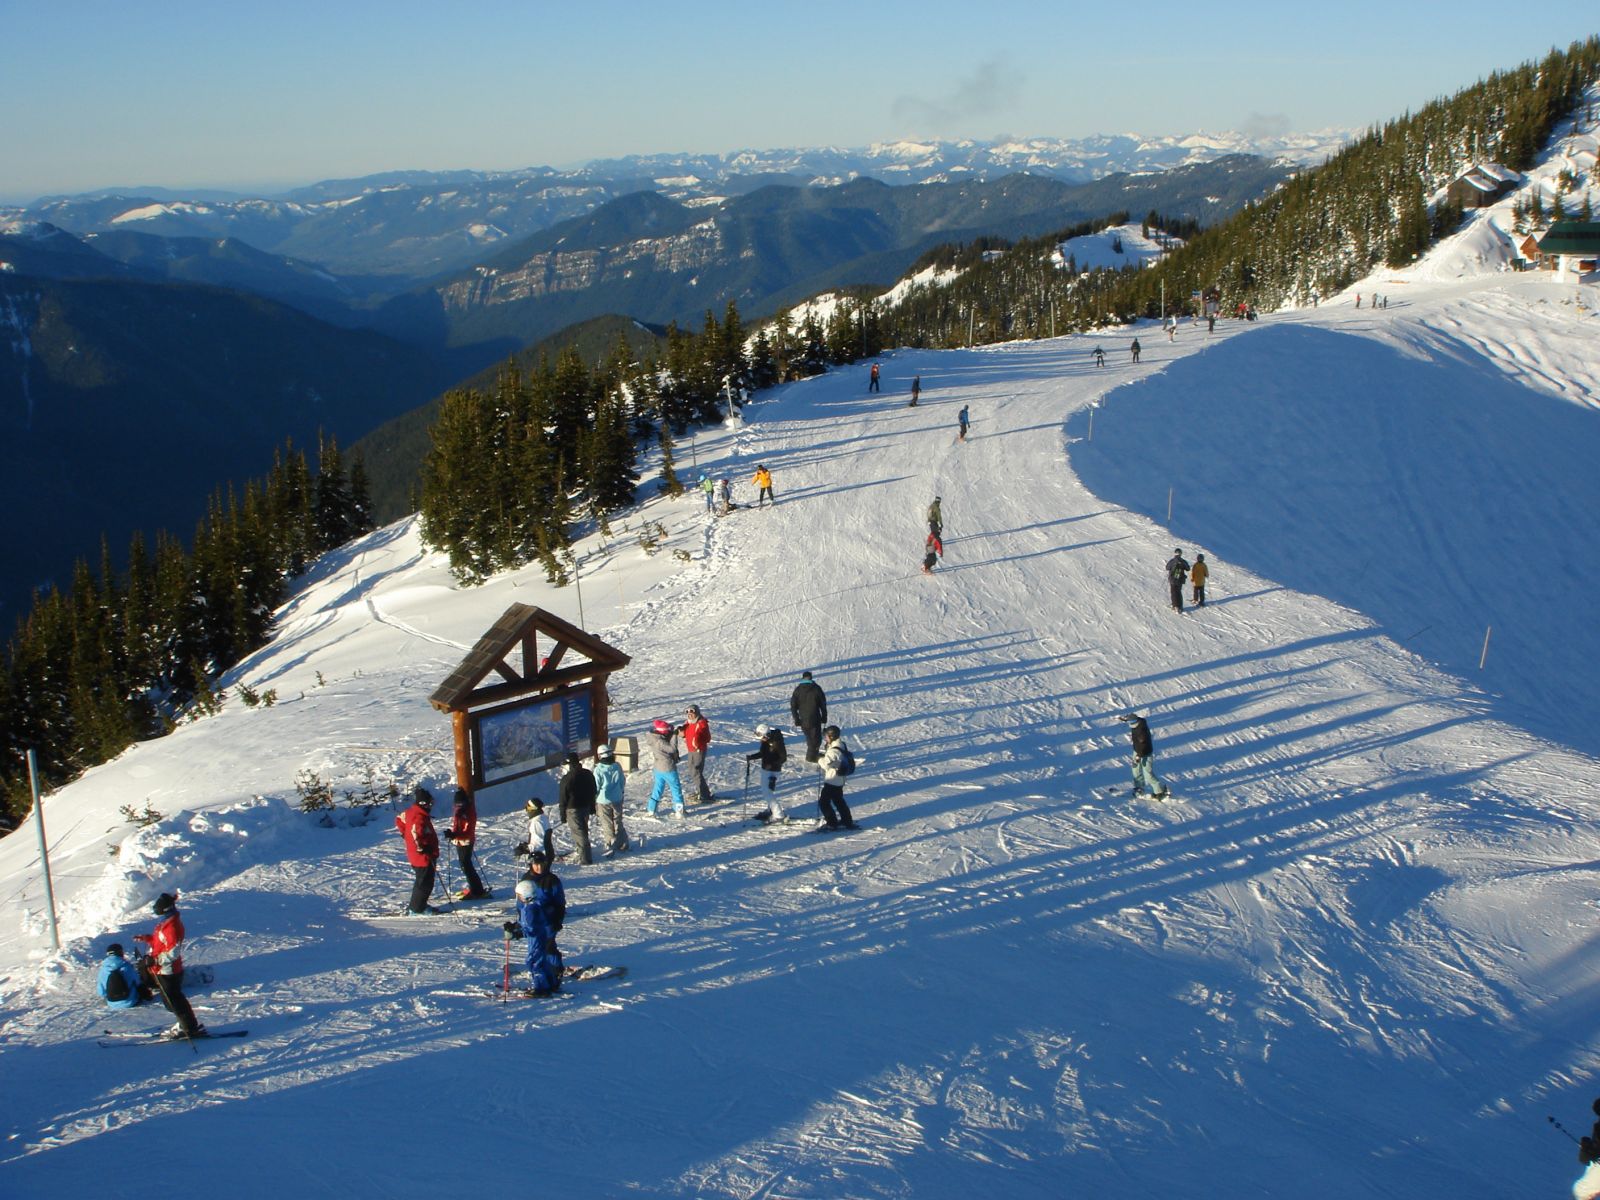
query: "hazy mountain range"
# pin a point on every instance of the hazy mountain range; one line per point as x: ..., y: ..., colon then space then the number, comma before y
x: 186, y: 336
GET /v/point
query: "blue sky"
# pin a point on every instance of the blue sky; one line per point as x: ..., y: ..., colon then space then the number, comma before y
x: 100, y: 94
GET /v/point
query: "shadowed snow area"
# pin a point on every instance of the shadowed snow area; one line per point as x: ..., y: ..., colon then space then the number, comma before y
x: 1353, y: 955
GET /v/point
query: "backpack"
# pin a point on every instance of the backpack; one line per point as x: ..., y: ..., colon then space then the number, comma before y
x: 117, y: 986
x: 1179, y: 571
x: 847, y: 761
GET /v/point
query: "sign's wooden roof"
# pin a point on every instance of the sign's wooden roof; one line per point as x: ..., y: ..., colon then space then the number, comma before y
x: 510, y: 652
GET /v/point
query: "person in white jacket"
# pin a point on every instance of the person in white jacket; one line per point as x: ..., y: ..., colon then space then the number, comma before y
x: 608, y: 800
x: 830, y: 801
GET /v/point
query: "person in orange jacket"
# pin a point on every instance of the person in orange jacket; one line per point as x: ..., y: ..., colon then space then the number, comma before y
x: 763, y: 480
x: 163, y: 966
x: 1197, y: 577
x: 696, y: 733
x: 422, y: 849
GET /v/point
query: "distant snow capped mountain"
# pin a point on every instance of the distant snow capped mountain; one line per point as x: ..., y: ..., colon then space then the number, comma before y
x: 402, y: 226
x: 1073, y: 160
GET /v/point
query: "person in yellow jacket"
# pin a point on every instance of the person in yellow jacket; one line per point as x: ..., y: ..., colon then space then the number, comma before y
x: 1197, y: 577
x: 763, y: 480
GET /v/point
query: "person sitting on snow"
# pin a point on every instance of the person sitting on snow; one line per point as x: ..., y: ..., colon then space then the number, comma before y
x: 119, y: 984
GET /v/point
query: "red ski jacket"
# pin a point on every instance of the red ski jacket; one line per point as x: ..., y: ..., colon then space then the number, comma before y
x: 463, y: 829
x: 422, y: 843
x: 697, y: 734
x: 166, y: 945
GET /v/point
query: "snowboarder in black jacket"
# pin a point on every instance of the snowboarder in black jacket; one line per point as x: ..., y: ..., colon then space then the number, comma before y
x: 1143, y: 750
x: 1177, y: 576
x: 809, y: 707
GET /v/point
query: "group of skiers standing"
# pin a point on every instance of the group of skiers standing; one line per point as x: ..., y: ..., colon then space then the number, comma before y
x: 1179, y: 572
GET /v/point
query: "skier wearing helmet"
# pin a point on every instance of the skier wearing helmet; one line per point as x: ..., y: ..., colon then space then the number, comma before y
x: 662, y: 744
x: 541, y: 909
x: 772, y: 753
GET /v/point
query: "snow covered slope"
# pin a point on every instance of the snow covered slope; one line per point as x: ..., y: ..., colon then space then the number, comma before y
x: 1350, y: 958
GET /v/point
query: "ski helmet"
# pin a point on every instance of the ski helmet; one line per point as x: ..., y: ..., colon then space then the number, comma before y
x: 525, y: 890
x: 661, y: 725
x: 533, y: 807
x: 763, y: 730
x: 115, y: 948
x: 538, y: 859
x: 602, y: 753
x: 694, y: 710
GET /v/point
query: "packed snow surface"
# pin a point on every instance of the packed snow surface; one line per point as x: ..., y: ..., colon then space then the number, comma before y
x: 1352, y: 956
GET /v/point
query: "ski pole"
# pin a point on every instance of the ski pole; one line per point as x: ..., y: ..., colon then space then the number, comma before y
x: 1563, y: 1129
x: 744, y: 801
x: 505, y: 987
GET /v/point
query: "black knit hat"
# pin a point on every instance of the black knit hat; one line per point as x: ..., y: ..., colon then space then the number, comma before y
x: 165, y: 903
x: 422, y: 796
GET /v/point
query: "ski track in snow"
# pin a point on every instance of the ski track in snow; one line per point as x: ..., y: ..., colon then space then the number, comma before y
x: 1354, y: 942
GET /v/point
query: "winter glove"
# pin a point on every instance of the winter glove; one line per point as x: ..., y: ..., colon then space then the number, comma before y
x: 520, y: 848
x: 513, y: 930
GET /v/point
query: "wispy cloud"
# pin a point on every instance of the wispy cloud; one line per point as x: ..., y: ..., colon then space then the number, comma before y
x: 992, y: 88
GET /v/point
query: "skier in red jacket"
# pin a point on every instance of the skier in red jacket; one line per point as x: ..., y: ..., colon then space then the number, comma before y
x: 463, y: 835
x: 162, y: 966
x: 422, y: 849
x: 696, y: 733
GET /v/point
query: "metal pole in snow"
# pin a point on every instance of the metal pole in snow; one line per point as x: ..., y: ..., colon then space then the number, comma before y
x: 44, y: 849
x: 1169, y: 506
x: 1091, y: 423
x: 1484, y: 657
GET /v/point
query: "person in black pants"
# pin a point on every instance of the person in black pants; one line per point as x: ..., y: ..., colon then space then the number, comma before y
x: 463, y: 835
x: 1177, y: 576
x: 830, y: 801
x: 809, y: 707
x: 578, y: 794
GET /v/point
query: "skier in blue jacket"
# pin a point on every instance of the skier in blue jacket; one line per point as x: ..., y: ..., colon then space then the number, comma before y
x: 119, y: 981
x: 541, y: 909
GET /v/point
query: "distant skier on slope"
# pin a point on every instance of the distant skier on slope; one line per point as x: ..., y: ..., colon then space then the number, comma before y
x: 965, y: 419
x: 1143, y: 751
x: 1099, y: 357
x: 422, y: 849
x: 936, y: 517
x: 708, y: 489
x: 932, y: 552
x: 872, y: 379
x: 538, y: 898
x: 772, y: 753
x: 1197, y: 578
x: 1177, y: 576
x: 809, y: 707
x: 763, y: 480
x: 1135, y: 349
x: 916, y: 390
